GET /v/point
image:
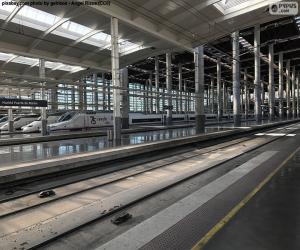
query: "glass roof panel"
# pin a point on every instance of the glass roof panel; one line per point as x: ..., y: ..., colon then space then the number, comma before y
x: 5, y: 56
x: 34, y: 62
x: 25, y: 60
x: 41, y: 20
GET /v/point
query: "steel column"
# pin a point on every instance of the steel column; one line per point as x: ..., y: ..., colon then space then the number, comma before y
x: 293, y: 92
x: 236, y: 79
x: 280, y: 89
x: 116, y: 79
x: 199, y: 89
x: 169, y: 86
x: 271, y: 88
x: 246, y: 94
x: 219, y: 97
x: 124, y: 98
x: 157, y: 84
x: 288, y: 91
x: 257, y: 87
x: 43, y: 96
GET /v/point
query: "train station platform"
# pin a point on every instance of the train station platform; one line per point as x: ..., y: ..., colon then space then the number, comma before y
x: 184, y: 201
x: 57, y: 149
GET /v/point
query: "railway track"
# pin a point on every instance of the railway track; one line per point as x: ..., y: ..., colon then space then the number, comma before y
x: 28, y: 221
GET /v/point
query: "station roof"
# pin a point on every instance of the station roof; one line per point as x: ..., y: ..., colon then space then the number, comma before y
x: 76, y: 40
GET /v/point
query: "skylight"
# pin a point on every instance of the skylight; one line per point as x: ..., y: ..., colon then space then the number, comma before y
x: 34, y: 62
x: 297, y: 21
x: 230, y: 6
x: 41, y: 20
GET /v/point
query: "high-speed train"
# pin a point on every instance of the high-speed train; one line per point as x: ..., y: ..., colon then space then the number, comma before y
x: 74, y: 120
x: 35, y: 126
x: 20, y: 121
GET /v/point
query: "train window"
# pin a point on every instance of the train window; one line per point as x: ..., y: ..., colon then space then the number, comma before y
x: 178, y: 118
x: 146, y: 120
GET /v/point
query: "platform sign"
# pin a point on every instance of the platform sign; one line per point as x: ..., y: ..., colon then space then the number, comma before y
x: 284, y: 8
x: 22, y: 102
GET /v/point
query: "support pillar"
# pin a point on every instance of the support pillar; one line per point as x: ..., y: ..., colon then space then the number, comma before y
x: 224, y: 98
x: 180, y: 87
x: 199, y: 90
x: 117, y: 123
x: 271, y: 87
x: 10, y: 116
x: 288, y: 91
x: 208, y: 98
x: 156, y: 73
x: 280, y: 89
x: 169, y: 87
x: 150, y: 89
x: 212, y: 95
x: 80, y: 91
x: 246, y: 94
x: 104, y: 105
x: 96, y: 94
x: 298, y: 101
x: 54, y: 105
x: 219, y: 97
x: 236, y: 79
x: 43, y: 96
x: 124, y: 98
x: 73, y: 97
x: 257, y: 97
x: 294, y: 92
x: 185, y: 96
x: 108, y: 95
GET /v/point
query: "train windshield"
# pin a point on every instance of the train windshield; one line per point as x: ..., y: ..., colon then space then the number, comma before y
x: 4, y: 119
x: 17, y: 119
x: 66, y: 117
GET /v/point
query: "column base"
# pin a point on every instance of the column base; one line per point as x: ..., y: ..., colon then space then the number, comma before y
x: 271, y: 117
x: 237, y: 120
x: 258, y: 118
x: 200, y: 124
x: 125, y: 123
x: 169, y: 120
x: 117, y: 128
x: 10, y: 126
x: 44, y: 130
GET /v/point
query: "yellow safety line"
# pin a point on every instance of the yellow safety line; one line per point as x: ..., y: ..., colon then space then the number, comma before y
x: 201, y: 243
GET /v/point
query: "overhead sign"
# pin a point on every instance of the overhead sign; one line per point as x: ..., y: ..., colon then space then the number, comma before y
x: 22, y: 102
x: 284, y: 8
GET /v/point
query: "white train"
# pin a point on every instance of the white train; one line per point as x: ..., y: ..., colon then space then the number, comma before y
x: 20, y: 121
x: 75, y: 120
x: 35, y: 126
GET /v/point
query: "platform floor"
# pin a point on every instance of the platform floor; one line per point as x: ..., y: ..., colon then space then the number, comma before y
x: 10, y: 155
x: 268, y: 221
